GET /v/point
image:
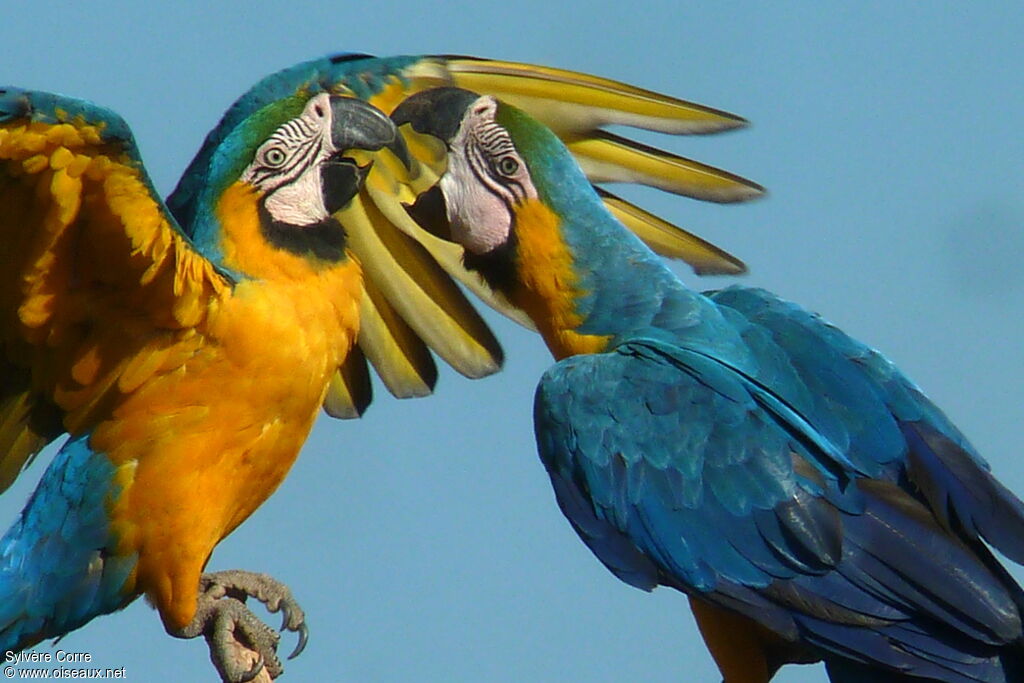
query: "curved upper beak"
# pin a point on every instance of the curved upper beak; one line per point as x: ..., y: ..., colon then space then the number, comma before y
x: 437, y: 112
x: 356, y: 124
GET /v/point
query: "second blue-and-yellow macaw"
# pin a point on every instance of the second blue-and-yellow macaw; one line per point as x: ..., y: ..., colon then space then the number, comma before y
x: 807, y: 497
x: 186, y: 348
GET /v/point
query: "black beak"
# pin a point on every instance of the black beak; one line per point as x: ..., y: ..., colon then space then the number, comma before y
x: 356, y: 124
x: 436, y: 112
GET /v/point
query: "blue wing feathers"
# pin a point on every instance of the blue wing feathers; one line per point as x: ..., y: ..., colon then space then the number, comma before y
x: 57, y: 568
x: 803, y: 494
x: 616, y: 550
x: 962, y: 493
x: 805, y: 532
x: 895, y: 424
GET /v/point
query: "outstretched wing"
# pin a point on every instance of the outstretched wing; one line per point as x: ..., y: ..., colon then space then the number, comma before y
x: 676, y: 469
x: 99, y: 289
x: 414, y: 305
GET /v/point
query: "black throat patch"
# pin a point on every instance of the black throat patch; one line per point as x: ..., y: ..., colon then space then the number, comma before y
x: 324, y: 241
x: 497, y: 267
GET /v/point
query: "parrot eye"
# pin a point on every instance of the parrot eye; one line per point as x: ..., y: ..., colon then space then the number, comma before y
x: 507, y: 166
x: 274, y: 156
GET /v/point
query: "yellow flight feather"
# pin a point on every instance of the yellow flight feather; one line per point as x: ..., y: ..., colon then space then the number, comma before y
x: 349, y: 391
x: 26, y: 423
x: 399, y: 356
x: 576, y: 106
x: 672, y: 241
x: 419, y: 290
x: 567, y: 101
x: 446, y: 253
x: 609, y: 158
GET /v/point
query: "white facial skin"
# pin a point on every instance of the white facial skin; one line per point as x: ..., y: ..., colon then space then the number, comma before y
x: 486, y: 179
x: 287, y: 165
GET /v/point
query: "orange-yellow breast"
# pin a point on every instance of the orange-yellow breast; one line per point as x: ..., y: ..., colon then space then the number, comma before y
x: 550, y: 283
x: 198, y: 449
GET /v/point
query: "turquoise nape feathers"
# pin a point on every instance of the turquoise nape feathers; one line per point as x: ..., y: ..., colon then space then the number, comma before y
x: 807, y: 497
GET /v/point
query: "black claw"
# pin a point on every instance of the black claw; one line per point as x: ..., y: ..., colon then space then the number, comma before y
x: 286, y: 615
x: 303, y: 631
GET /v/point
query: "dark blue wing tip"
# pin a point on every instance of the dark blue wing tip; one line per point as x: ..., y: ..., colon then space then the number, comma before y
x: 342, y: 57
x: 45, y: 107
x: 14, y: 103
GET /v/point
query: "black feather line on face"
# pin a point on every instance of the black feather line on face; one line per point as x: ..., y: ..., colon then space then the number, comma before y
x: 323, y: 241
x: 497, y: 267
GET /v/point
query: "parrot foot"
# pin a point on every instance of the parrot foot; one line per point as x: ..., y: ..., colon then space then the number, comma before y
x: 242, y: 647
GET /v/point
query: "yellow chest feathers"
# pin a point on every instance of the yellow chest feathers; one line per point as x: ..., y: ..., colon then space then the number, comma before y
x: 311, y: 304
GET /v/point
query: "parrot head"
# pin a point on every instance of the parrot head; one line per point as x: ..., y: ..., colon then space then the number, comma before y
x: 291, y: 165
x: 530, y: 223
x: 306, y: 169
x: 511, y: 191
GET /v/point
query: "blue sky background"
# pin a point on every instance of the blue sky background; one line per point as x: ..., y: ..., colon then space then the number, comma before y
x: 424, y: 540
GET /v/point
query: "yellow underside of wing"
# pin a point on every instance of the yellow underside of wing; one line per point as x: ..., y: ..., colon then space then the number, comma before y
x: 608, y: 158
x: 97, y: 290
x: 448, y: 254
x: 27, y: 423
x: 419, y: 290
x: 350, y: 392
x: 401, y: 358
x: 672, y: 241
x: 576, y: 106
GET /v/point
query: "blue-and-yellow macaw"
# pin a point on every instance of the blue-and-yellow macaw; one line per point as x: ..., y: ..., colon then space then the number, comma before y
x: 186, y: 347
x: 118, y: 329
x: 807, y: 497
